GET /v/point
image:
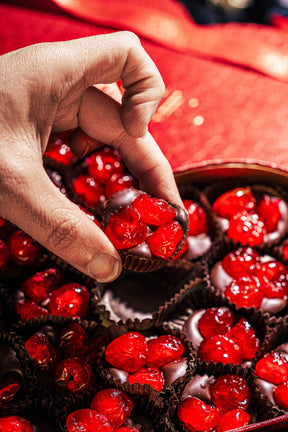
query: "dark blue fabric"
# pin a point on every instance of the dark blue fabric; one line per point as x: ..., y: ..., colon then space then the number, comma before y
x: 259, y: 11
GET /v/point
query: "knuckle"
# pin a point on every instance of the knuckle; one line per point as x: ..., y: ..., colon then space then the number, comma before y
x: 131, y: 38
x: 62, y: 237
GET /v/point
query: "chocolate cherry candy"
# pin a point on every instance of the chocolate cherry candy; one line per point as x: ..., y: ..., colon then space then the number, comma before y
x: 145, y: 228
x: 198, y: 416
x: 87, y: 420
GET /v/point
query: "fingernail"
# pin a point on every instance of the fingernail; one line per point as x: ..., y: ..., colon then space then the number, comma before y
x: 104, y: 268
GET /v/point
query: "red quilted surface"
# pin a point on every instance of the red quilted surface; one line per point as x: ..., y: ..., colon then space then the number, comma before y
x: 211, y: 112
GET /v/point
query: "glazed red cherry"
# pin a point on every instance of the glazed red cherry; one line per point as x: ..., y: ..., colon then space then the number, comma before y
x: 273, y: 367
x: 73, y: 340
x: 40, y: 348
x: 229, y: 392
x: 245, y: 336
x: 234, y: 201
x: 103, y: 163
x: 69, y: 300
x: 72, y: 375
x: 241, y: 262
x: 164, y: 349
x: 23, y: 249
x: 247, y: 229
x: 152, y: 376
x: 220, y: 348
x: 245, y: 292
x: 164, y: 241
x: 197, y: 415
x: 281, y: 395
x: 233, y: 420
x: 15, y: 424
x: 88, y: 190
x: 270, y: 270
x: 128, y: 352
x: 60, y: 152
x: 198, y: 223
x: 215, y: 321
x: 39, y: 286
x: 10, y: 386
x: 125, y: 228
x: 114, y: 404
x: 87, y: 420
x: 154, y: 211
x: 269, y: 210
x: 4, y: 255
x: 119, y: 182
x: 28, y: 309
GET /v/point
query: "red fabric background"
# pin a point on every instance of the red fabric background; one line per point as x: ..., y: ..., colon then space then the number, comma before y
x: 243, y: 114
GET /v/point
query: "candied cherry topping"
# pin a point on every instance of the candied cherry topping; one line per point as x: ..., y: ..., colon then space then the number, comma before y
x: 229, y: 392
x: 220, y: 348
x: 247, y: 229
x: 72, y: 375
x: 119, y: 182
x: 15, y: 424
x: 154, y: 211
x: 88, y: 189
x: 128, y: 352
x: 268, y: 209
x: 10, y: 386
x: 273, y: 367
x: 233, y: 419
x: 164, y: 349
x: 70, y: 300
x: 281, y: 394
x: 245, y: 336
x: 23, y: 249
x: 87, y: 420
x: 164, y: 241
x: 40, y: 348
x: 270, y: 270
x: 198, y: 223
x: 39, y: 285
x: 197, y: 416
x: 60, y: 152
x: 103, y: 163
x: 234, y: 201
x: 125, y: 228
x: 73, y: 340
x: 215, y: 321
x: 152, y: 376
x: 245, y: 292
x: 241, y: 261
x: 114, y: 404
x: 28, y: 309
x: 4, y: 255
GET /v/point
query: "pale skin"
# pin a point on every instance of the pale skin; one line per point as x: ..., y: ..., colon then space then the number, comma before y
x: 51, y: 87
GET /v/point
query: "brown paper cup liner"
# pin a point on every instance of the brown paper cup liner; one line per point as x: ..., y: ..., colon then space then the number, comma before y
x: 143, y: 296
x: 106, y: 370
x: 226, y: 246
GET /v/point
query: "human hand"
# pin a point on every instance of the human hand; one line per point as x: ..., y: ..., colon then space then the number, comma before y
x: 51, y: 87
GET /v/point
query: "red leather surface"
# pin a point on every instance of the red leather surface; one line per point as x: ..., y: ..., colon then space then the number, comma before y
x: 212, y: 111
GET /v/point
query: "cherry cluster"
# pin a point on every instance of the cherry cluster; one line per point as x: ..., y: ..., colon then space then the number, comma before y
x: 273, y: 367
x: 142, y: 359
x: 68, y: 356
x: 230, y: 396
x: 46, y: 292
x: 254, y: 278
x: 249, y: 220
x: 224, y: 340
x: 109, y: 411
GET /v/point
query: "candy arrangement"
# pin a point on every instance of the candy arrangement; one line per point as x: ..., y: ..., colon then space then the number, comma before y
x: 191, y: 337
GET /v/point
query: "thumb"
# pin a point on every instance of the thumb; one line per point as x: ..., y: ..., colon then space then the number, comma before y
x: 43, y: 212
